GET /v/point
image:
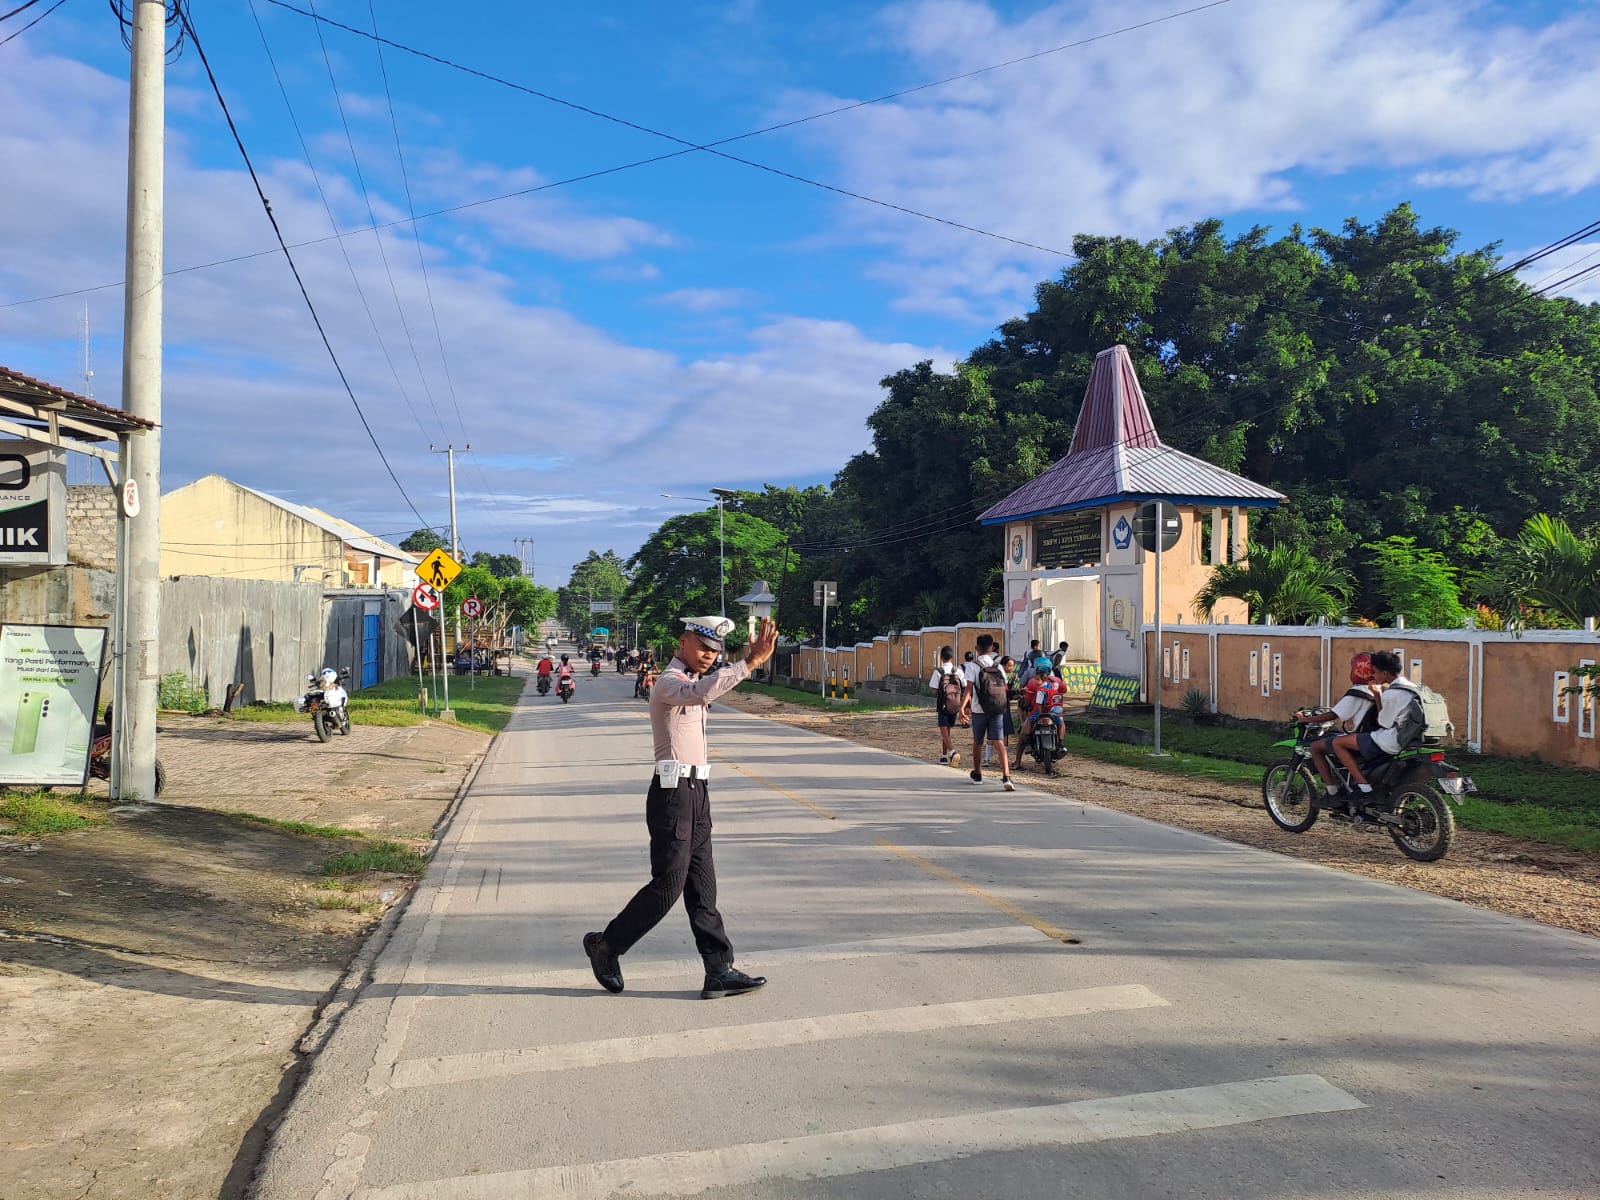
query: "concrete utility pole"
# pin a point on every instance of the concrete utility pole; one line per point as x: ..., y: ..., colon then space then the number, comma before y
x: 455, y: 552
x: 134, y: 713
x: 455, y: 537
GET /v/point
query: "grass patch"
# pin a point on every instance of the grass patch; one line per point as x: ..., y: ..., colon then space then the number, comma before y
x: 299, y: 827
x: 1176, y: 763
x: 1556, y: 827
x: 813, y: 700
x: 363, y: 711
x: 483, y: 702
x: 389, y: 857
x: 30, y: 814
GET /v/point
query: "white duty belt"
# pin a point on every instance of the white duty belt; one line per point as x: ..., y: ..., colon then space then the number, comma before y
x: 671, y: 772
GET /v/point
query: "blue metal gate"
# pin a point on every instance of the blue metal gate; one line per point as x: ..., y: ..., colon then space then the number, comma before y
x: 369, y: 650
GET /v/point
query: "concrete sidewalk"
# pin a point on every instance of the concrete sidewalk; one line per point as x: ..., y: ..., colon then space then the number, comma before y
x: 973, y: 993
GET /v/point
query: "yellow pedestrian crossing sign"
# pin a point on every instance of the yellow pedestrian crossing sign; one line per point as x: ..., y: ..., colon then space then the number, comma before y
x: 438, y: 570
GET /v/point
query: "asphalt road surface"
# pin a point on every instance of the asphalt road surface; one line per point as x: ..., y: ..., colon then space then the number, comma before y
x: 1227, y: 1023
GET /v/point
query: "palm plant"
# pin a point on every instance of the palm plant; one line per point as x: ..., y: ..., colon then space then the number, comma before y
x: 1548, y: 569
x: 1286, y: 581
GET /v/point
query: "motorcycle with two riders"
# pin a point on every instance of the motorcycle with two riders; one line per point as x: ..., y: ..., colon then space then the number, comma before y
x: 1411, y: 790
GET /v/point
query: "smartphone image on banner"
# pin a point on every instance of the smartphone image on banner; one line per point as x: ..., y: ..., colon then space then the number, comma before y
x: 25, y: 734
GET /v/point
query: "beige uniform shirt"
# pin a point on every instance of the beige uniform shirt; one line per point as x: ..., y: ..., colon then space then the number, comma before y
x: 678, y: 709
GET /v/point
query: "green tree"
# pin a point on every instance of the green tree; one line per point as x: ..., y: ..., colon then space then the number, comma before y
x: 1416, y: 583
x: 1288, y: 583
x: 675, y: 571
x: 1549, y: 570
x: 473, y: 581
x: 502, y: 566
x: 526, y: 603
x: 597, y: 577
x: 423, y: 541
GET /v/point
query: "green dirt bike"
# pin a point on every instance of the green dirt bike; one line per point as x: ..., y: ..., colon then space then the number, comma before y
x: 1409, y: 798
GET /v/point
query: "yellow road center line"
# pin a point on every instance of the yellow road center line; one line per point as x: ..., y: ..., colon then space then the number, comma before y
x: 782, y: 791
x: 977, y: 893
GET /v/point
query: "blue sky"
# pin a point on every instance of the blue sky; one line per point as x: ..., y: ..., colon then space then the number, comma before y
x: 698, y: 322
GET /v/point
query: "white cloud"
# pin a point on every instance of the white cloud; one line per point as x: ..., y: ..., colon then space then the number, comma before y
x: 578, y: 429
x: 705, y: 300
x: 1555, y: 272
x: 1208, y: 115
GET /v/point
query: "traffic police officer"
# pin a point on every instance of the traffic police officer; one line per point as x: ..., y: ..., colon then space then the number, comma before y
x: 678, y: 811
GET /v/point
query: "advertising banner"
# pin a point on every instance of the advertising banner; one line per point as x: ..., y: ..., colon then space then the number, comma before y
x: 33, y: 504
x: 49, y: 686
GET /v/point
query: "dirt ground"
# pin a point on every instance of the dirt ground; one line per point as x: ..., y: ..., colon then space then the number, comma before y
x: 1525, y: 879
x: 157, y: 973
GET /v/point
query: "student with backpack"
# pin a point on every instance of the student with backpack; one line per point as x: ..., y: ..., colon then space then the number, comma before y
x: 1356, y: 712
x: 987, y: 705
x: 1402, y: 721
x: 949, y: 687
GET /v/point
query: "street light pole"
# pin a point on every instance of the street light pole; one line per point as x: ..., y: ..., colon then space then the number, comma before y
x: 720, y: 494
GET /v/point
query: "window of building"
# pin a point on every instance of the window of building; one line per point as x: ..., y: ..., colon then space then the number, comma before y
x: 1255, y: 667
x: 1560, y: 700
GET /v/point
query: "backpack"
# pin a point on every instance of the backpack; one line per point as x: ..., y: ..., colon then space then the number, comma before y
x: 951, y: 689
x: 1426, y: 719
x: 991, y: 689
x: 1369, y: 723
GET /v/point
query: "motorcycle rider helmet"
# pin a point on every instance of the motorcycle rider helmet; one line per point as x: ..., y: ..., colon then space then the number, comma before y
x: 1043, y: 664
x: 1361, y: 671
x: 328, y: 677
x: 563, y: 658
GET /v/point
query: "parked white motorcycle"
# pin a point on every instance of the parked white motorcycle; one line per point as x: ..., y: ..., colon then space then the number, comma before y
x: 327, y: 702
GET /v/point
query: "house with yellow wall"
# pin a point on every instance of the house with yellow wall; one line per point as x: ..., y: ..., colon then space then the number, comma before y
x: 220, y: 528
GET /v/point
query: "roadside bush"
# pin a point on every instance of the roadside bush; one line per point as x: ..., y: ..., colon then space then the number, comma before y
x: 179, y: 693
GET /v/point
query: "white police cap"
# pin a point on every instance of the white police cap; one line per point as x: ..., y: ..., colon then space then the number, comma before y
x: 710, y: 630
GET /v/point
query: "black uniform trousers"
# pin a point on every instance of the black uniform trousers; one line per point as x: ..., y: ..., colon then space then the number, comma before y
x: 679, y: 820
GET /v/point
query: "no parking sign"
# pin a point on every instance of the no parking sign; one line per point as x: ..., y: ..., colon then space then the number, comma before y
x: 472, y: 607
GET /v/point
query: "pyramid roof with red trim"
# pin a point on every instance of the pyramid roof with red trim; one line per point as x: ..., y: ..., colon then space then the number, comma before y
x: 1116, y: 455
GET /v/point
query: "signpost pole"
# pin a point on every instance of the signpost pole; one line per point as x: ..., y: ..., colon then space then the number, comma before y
x: 416, y: 640
x: 445, y: 665
x: 1155, y: 659
x: 433, y: 673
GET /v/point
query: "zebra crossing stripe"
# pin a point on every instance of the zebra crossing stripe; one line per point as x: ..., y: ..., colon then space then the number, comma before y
x: 767, y: 1035
x: 908, y: 1144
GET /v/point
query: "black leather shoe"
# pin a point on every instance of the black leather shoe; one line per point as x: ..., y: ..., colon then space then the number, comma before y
x: 606, y: 967
x: 730, y: 981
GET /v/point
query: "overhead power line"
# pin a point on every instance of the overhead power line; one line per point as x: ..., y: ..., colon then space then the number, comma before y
x: 372, y: 219
x: 30, y: 24
x: 327, y: 206
x: 690, y: 146
x: 266, y: 205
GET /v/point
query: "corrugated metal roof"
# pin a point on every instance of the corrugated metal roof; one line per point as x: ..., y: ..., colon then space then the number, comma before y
x: 1114, y: 411
x: 1116, y: 455
x: 27, y: 389
x: 351, y: 535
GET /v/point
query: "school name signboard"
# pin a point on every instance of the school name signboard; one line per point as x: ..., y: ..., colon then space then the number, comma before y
x: 49, y: 686
x: 1074, y: 542
x: 33, y: 504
